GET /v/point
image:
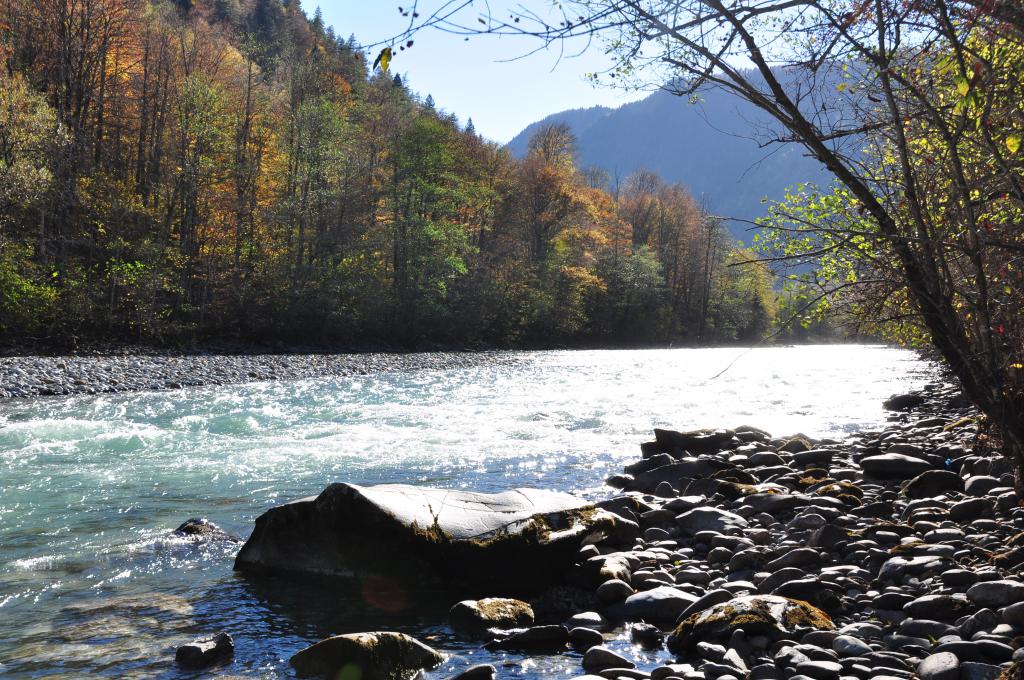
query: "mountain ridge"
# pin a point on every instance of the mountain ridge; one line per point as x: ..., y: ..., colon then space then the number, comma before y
x: 709, y: 147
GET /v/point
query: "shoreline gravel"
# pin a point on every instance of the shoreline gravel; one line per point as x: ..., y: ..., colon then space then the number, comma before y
x: 38, y: 376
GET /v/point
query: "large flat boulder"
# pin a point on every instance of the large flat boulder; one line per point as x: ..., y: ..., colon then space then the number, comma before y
x: 517, y: 541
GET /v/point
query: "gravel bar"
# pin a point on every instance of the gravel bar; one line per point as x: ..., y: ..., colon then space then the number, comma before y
x: 34, y: 376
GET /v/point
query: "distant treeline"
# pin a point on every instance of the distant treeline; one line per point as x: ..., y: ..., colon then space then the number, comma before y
x: 230, y: 169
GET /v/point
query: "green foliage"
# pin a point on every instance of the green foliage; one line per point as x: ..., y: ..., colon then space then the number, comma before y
x: 29, y: 137
x: 229, y: 169
x: 26, y: 307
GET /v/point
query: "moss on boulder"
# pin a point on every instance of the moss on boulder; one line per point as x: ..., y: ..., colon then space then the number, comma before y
x: 367, y: 656
x: 770, y: 615
x: 476, y: 616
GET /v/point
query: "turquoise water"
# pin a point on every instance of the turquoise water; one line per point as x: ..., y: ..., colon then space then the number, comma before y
x: 91, y: 582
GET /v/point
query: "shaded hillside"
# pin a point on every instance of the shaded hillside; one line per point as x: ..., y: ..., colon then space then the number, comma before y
x: 709, y: 147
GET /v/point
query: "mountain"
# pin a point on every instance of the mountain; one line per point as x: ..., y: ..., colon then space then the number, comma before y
x: 709, y: 146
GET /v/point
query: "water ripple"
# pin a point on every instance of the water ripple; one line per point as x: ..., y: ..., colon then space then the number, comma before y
x: 92, y: 582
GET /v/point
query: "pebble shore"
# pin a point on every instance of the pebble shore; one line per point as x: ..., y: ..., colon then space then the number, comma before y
x: 33, y: 376
x: 892, y: 555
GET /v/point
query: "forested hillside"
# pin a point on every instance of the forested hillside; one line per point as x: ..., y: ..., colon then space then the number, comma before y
x: 233, y: 170
x: 711, y: 146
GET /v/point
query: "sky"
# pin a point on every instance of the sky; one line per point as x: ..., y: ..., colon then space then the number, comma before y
x: 486, y: 78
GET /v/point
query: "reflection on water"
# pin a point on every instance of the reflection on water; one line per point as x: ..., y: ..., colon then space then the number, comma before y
x: 92, y: 582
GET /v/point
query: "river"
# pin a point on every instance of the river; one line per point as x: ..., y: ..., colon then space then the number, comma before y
x: 92, y: 583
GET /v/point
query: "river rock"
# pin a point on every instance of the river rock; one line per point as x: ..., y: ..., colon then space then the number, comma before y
x: 377, y: 656
x: 756, y: 615
x: 709, y: 519
x: 970, y: 508
x: 996, y: 594
x: 661, y: 605
x: 943, y: 666
x: 551, y: 638
x: 205, y: 652
x: 846, y: 645
x: 202, y: 529
x: 980, y: 485
x: 974, y: 670
x: 584, y: 638
x: 600, y: 657
x: 697, y: 443
x: 613, y: 591
x: 903, y: 402
x: 932, y: 483
x: 514, y: 541
x: 939, y: 607
x: 894, y: 466
x: 476, y: 616
x: 646, y: 635
x: 483, y: 671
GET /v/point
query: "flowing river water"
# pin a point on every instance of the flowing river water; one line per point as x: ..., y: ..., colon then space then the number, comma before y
x: 92, y: 583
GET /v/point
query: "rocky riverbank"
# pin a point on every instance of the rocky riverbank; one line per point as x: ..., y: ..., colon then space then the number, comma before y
x: 33, y: 376
x: 893, y: 554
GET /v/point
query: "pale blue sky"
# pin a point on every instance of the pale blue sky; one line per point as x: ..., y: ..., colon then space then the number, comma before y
x: 470, y: 79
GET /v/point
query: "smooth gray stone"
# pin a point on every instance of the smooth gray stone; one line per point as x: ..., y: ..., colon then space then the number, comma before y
x: 996, y: 594
x: 709, y: 518
x: 932, y: 483
x: 600, y: 657
x: 615, y: 590
x: 585, y: 638
x: 820, y: 670
x: 980, y: 485
x: 894, y: 466
x: 483, y: 671
x: 973, y: 670
x: 659, y: 605
x: 845, y: 645
x: 939, y: 607
x: 586, y: 620
x: 965, y: 650
x: 709, y: 599
x: 670, y: 670
x: 801, y: 557
x: 897, y: 568
x: 970, y: 508
x: 628, y: 673
x: 766, y: 671
x: 1014, y: 615
x: 942, y: 666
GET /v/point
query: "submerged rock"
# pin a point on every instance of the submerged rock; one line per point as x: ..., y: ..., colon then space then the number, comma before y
x: 551, y: 638
x: 201, y: 528
x: 377, y: 656
x: 476, y: 616
x: 206, y: 651
x: 483, y: 671
x: 514, y: 541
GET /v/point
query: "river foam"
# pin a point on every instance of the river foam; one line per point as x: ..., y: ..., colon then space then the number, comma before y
x: 91, y: 486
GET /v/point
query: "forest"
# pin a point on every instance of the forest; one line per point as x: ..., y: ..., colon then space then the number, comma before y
x: 234, y: 170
